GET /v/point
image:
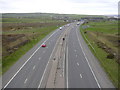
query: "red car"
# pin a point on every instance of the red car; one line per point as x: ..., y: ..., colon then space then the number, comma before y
x: 43, y: 45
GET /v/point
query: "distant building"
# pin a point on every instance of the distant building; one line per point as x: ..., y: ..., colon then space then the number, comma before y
x: 93, y: 18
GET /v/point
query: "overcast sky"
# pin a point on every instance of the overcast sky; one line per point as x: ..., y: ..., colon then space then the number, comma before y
x: 91, y: 7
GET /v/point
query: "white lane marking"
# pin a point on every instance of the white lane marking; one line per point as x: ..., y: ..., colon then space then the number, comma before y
x: 46, y: 47
x: 60, y: 75
x: 34, y: 67
x: 77, y: 63
x: 46, y: 67
x: 28, y: 60
x: 61, y: 43
x: 75, y: 50
x: 39, y: 58
x: 76, y: 55
x: 25, y: 81
x: 67, y: 66
x: 80, y: 75
x: 67, y: 62
x: 88, y: 62
x: 89, y: 43
x: 64, y: 62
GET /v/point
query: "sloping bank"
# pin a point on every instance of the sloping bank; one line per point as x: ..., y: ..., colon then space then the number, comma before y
x: 41, y: 33
x: 110, y: 65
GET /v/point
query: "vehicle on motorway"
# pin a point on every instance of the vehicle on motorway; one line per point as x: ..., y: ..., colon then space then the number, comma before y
x: 78, y: 23
x: 68, y: 24
x: 43, y: 45
x: 60, y: 28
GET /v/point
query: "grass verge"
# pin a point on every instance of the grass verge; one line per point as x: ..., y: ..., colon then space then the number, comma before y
x: 110, y: 66
x: 8, y: 61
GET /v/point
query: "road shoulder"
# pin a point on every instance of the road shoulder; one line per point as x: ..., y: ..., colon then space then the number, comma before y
x: 95, y: 64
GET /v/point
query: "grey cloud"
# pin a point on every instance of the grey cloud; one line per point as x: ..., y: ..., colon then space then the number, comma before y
x: 93, y: 1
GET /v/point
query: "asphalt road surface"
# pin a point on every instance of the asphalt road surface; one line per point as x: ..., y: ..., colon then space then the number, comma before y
x: 29, y: 71
x: 79, y: 72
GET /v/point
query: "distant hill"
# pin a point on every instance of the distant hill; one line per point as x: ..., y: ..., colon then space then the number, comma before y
x: 36, y: 15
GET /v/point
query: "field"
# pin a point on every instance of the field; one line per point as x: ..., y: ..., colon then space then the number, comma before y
x: 21, y: 32
x: 103, y: 40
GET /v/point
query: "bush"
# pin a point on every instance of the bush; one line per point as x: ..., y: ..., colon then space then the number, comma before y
x: 110, y: 56
x: 85, y: 32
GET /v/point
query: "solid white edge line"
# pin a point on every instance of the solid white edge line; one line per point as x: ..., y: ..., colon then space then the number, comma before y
x: 89, y: 43
x: 67, y: 66
x: 88, y: 61
x: 64, y: 62
x: 27, y: 60
x: 46, y: 67
x: 67, y: 61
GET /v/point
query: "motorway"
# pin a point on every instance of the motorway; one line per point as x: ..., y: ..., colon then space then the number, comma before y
x: 29, y: 76
x: 79, y: 72
x: 29, y: 71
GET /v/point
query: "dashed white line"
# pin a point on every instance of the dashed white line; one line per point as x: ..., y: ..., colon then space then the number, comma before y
x: 61, y: 43
x: 60, y: 75
x: 39, y: 58
x: 46, y: 67
x: 28, y: 60
x: 80, y: 75
x: 76, y: 55
x: 25, y: 81
x: 88, y: 62
x: 34, y: 67
x: 75, y: 50
x: 77, y: 63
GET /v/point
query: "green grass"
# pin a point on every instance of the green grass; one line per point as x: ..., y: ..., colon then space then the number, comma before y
x: 108, y: 27
x: 8, y: 61
x: 30, y: 31
x: 104, y: 32
x: 41, y: 17
x: 109, y: 65
x: 29, y: 20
